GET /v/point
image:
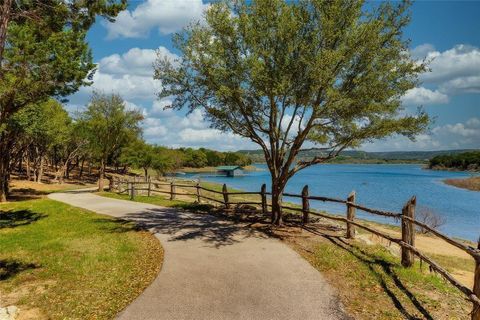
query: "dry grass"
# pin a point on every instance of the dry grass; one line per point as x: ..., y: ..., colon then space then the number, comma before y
x: 472, y: 183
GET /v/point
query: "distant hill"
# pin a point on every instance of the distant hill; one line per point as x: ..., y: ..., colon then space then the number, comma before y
x: 354, y: 156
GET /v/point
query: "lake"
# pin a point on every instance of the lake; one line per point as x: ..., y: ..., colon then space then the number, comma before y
x: 378, y: 186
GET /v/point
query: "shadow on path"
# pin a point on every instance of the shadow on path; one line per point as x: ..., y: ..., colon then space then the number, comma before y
x: 214, y: 230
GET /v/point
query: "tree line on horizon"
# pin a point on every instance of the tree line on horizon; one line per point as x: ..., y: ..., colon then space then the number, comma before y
x: 467, y: 161
x: 105, y: 134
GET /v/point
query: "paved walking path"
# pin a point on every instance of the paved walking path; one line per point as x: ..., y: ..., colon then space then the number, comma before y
x: 216, y: 269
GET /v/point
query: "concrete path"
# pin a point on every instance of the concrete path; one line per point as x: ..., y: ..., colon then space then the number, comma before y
x: 217, y: 269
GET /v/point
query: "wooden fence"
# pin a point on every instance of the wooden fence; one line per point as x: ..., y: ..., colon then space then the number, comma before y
x: 407, y: 217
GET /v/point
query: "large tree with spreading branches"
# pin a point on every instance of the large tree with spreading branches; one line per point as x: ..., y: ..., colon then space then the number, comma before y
x: 330, y: 73
x: 43, y: 54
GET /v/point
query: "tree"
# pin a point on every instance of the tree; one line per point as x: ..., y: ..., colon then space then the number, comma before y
x: 282, y: 73
x: 109, y: 127
x: 140, y: 155
x: 165, y: 160
x: 38, y: 129
x: 43, y: 54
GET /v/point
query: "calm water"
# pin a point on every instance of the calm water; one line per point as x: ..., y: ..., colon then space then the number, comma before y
x: 379, y: 186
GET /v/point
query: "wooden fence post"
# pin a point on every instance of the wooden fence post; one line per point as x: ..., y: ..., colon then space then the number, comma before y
x: 476, y: 287
x: 305, y: 205
x: 149, y: 187
x: 408, y: 231
x: 351, y: 215
x: 198, y: 192
x: 132, y: 191
x: 225, y: 196
x: 263, y: 194
x: 172, y: 190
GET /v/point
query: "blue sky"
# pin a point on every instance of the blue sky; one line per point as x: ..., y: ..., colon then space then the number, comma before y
x: 447, y: 31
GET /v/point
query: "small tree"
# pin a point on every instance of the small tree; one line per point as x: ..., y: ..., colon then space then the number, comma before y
x: 429, y: 217
x: 109, y: 127
x: 281, y: 73
x: 140, y: 155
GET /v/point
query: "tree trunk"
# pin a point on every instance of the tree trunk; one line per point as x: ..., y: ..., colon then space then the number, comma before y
x: 101, y: 176
x: 80, y: 174
x: 4, y: 176
x: 277, y: 195
x: 146, y: 174
x: 27, y: 165
x: 40, y: 170
x: 4, y: 19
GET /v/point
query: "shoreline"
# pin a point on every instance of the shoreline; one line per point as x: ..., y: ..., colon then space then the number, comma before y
x: 468, y: 183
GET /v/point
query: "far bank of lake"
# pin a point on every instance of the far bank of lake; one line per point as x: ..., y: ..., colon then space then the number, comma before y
x: 378, y: 186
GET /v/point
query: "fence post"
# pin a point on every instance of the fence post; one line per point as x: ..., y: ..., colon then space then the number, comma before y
x: 408, y: 231
x: 225, y: 196
x: 110, y: 184
x: 351, y: 215
x: 263, y: 194
x: 305, y: 205
x: 149, y: 187
x: 198, y: 192
x: 172, y: 190
x: 132, y: 191
x: 476, y: 287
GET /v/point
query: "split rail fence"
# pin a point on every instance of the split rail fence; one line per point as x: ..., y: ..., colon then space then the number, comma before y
x: 406, y: 216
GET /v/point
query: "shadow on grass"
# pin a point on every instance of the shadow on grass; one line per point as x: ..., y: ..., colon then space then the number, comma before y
x: 18, y: 218
x: 371, y: 261
x: 10, y: 268
x: 23, y: 194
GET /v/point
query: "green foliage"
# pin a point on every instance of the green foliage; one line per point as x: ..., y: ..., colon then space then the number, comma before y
x: 43, y: 125
x: 284, y: 72
x: 460, y: 161
x: 108, y: 126
x: 45, y: 53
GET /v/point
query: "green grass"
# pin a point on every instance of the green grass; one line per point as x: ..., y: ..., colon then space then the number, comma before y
x: 71, y: 263
x: 373, y: 284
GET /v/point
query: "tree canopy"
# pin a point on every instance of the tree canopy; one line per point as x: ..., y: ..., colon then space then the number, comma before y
x: 108, y: 126
x: 43, y: 54
x: 282, y: 73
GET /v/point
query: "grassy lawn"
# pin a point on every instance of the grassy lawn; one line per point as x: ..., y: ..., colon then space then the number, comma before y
x: 61, y: 262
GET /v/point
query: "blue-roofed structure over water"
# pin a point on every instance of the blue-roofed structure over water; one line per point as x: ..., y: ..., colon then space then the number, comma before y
x: 229, y: 171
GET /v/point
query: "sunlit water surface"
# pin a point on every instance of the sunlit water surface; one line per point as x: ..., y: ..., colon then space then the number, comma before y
x: 385, y: 187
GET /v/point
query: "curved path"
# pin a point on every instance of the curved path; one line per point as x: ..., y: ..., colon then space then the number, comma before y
x: 217, y: 269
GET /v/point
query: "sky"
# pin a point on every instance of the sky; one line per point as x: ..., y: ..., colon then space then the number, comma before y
x: 445, y: 32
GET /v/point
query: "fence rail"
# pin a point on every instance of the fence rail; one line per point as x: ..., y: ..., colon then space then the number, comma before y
x: 406, y: 216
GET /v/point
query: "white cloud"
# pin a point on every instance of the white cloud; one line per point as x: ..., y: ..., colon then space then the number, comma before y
x: 173, y: 129
x: 450, y: 136
x: 421, y: 51
x: 135, y: 61
x: 454, y: 71
x: 462, y: 85
x: 129, y: 74
x: 458, y: 62
x: 424, y: 96
x: 167, y: 16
